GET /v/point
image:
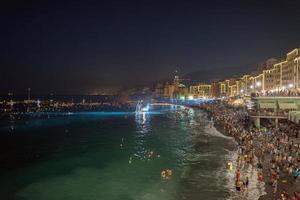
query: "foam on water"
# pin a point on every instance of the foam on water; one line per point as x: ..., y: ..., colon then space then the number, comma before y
x: 212, y: 131
x: 255, y: 189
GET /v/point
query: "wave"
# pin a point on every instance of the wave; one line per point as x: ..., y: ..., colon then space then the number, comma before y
x: 212, y: 131
x: 255, y: 189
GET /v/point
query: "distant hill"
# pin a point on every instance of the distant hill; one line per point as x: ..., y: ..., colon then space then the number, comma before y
x: 210, y: 75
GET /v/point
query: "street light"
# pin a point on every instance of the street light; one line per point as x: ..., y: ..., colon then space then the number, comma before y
x: 251, y: 86
x: 258, y: 84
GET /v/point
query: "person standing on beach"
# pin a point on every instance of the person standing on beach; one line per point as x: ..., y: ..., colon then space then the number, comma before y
x: 246, y: 182
x: 237, y: 175
x: 260, y: 177
x: 274, y: 185
x: 296, y: 173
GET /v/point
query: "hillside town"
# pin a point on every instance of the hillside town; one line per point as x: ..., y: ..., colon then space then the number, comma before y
x: 275, y: 77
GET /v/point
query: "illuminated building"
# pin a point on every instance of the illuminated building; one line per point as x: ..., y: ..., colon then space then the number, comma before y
x: 201, y: 90
x: 269, y: 79
x: 181, y: 92
x: 272, y: 76
x: 259, y: 83
x: 215, y: 89
x: 244, y: 85
x: 232, y: 87
x: 176, y: 89
x: 297, y: 66
x: 289, y: 70
x: 169, y: 90
x: 223, y: 88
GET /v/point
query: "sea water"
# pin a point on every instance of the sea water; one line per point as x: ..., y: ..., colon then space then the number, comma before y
x: 115, y: 156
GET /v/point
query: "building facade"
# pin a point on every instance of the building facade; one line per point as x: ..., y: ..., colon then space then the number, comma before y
x: 201, y: 90
x: 273, y: 76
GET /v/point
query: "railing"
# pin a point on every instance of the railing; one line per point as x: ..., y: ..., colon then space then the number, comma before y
x: 284, y: 93
x: 282, y: 115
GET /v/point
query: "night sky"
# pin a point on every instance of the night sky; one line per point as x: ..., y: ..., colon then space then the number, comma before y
x: 89, y: 47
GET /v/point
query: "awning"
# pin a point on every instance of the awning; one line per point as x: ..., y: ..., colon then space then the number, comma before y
x: 297, y: 118
x: 292, y: 115
x: 267, y: 105
x: 287, y: 105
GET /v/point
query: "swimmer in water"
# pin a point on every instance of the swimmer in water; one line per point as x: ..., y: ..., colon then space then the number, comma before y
x: 130, y: 160
x: 169, y: 172
x: 150, y: 154
x: 121, y: 145
x: 166, y: 174
x: 163, y: 174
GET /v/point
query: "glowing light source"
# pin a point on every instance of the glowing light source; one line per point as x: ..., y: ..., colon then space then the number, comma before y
x: 283, y: 87
x: 258, y: 84
x: 251, y: 86
x: 191, y: 97
x: 242, y: 90
x: 290, y: 85
x: 146, y: 109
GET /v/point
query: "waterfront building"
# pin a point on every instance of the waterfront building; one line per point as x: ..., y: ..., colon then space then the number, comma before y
x: 233, y: 90
x: 182, y: 92
x: 223, y: 89
x: 272, y: 76
x: 289, y: 70
x: 169, y: 90
x: 269, y: 80
x: 297, y: 66
x: 215, y: 89
x: 201, y: 90
x: 227, y: 84
x: 243, y: 83
x: 174, y: 90
x: 259, y: 83
x: 232, y: 87
x: 278, y: 76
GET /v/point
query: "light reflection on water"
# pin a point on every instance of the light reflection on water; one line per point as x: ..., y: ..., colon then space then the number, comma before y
x: 91, y: 164
x: 143, y: 126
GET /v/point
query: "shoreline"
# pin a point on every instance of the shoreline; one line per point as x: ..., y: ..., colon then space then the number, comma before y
x: 268, y: 188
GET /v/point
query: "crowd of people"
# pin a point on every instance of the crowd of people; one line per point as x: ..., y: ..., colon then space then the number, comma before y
x: 282, y: 92
x: 276, y: 151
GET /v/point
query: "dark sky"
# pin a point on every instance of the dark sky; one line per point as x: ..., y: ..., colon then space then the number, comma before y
x: 79, y: 47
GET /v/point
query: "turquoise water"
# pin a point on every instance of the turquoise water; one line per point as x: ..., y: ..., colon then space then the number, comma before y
x: 113, y: 156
